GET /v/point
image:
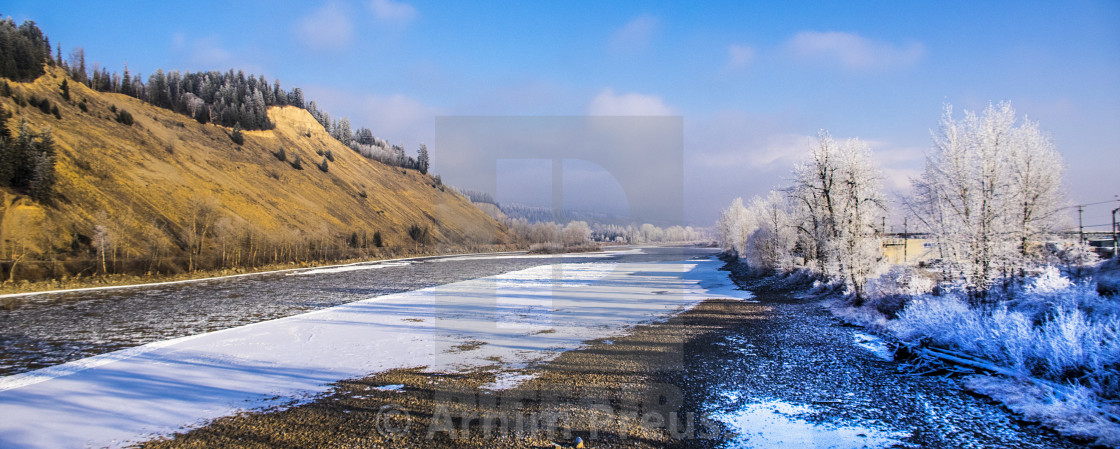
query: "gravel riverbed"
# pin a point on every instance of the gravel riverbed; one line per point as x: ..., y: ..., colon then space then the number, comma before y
x: 780, y: 372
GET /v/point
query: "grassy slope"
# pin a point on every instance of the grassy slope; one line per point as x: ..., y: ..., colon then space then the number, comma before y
x: 143, y: 181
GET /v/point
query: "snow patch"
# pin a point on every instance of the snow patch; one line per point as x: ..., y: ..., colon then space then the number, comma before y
x: 393, y: 387
x: 874, y: 345
x: 507, y: 380
x: 345, y: 268
x: 779, y: 424
x: 526, y: 256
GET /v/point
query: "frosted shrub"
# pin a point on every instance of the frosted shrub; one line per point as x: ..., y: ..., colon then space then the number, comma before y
x: 1065, y: 345
x: 890, y: 292
x: 1072, y: 344
x: 999, y: 335
x: 1075, y: 412
x: 1050, y: 281
x: 928, y: 316
x: 1051, y: 292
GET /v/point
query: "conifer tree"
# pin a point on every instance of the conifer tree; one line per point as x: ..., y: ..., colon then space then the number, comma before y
x: 41, y: 165
x: 126, y: 82
x: 422, y: 159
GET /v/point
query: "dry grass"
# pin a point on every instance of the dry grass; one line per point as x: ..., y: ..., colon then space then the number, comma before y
x: 142, y: 182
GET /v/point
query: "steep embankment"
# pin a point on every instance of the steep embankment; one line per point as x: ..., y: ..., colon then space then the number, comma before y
x: 167, y: 192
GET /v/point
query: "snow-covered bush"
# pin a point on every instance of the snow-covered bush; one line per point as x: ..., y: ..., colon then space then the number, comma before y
x: 1050, y: 292
x: 997, y: 334
x: 1065, y: 343
x: 1074, y: 412
x: 1071, y: 344
x: 1077, y: 259
x: 892, y: 290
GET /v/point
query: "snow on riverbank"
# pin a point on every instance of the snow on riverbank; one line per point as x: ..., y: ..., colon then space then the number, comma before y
x: 778, y: 424
x: 355, y: 267
x: 340, y: 268
x: 518, y: 317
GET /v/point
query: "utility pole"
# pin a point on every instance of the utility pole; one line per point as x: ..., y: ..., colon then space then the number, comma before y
x: 1115, y: 231
x: 906, y: 240
x: 1080, y: 227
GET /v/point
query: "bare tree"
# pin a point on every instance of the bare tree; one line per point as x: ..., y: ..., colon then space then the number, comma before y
x: 200, y: 221
x: 102, y: 242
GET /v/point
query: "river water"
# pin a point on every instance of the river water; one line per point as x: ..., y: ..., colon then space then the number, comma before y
x: 37, y: 331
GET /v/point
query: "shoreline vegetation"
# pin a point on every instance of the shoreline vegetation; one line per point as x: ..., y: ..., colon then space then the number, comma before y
x: 27, y: 287
x: 1048, y: 351
x: 9, y: 289
x: 992, y: 286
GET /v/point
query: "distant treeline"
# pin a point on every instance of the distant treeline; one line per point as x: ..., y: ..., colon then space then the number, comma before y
x: 232, y: 99
x: 537, y: 214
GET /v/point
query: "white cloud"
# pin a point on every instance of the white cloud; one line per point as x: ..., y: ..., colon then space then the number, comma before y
x: 400, y: 119
x: 635, y: 35
x: 208, y: 53
x: 609, y: 103
x: 852, y: 51
x: 329, y: 27
x: 739, y: 56
x: 735, y: 153
x: 899, y: 165
x: 393, y: 11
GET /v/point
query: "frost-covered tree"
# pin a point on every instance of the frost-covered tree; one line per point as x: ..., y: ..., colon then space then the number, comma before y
x: 101, y: 242
x: 837, y: 199
x: 576, y: 233
x: 990, y: 187
x: 295, y: 97
x: 770, y: 246
x: 340, y: 130
x: 1036, y: 180
x: 733, y: 227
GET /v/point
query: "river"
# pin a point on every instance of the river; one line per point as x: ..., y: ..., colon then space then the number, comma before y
x: 41, y: 330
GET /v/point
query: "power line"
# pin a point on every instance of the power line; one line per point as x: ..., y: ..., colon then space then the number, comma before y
x: 1091, y: 204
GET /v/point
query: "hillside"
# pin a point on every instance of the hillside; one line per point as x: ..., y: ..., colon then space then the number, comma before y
x: 167, y: 194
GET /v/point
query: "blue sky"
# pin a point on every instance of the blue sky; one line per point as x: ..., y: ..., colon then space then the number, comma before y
x: 752, y: 80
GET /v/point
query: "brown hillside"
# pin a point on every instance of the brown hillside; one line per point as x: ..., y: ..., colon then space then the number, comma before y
x: 168, y: 184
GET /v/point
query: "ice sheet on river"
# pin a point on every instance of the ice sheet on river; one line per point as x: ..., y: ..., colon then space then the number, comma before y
x: 520, y: 317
